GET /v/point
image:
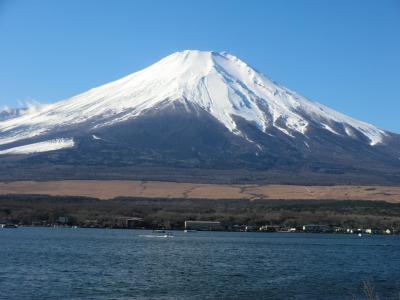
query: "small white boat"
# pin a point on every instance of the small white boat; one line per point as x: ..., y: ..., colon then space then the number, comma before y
x: 167, y: 235
x: 9, y: 226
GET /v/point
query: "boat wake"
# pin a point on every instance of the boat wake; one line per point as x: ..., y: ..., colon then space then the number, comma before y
x: 156, y: 236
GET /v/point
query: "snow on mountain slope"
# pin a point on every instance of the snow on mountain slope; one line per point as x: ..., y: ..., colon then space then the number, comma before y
x: 219, y: 83
x: 27, y: 107
x: 45, y: 146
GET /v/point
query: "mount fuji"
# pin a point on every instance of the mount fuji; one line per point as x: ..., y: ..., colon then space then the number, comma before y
x: 196, y: 115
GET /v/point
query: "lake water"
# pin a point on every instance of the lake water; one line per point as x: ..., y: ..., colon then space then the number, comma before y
x: 56, y: 263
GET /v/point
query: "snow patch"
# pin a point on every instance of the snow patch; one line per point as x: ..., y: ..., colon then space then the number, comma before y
x: 329, y: 129
x: 45, y: 146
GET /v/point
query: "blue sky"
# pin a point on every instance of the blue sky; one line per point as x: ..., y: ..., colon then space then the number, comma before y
x: 344, y: 54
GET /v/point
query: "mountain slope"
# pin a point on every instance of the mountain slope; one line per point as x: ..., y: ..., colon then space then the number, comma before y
x: 202, y: 110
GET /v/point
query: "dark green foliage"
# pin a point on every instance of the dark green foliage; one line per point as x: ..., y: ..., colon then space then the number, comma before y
x: 172, y: 213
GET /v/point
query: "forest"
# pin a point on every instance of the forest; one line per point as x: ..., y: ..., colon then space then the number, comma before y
x: 171, y: 213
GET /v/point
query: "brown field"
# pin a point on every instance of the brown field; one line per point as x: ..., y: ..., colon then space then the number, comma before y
x: 108, y: 189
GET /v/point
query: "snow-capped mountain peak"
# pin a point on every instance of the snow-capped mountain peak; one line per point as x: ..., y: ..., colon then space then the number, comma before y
x: 218, y: 83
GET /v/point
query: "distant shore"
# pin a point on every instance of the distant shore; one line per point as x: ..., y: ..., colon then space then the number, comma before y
x: 320, y: 216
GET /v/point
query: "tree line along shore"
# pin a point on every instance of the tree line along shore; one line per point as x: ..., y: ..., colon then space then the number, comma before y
x: 233, y: 215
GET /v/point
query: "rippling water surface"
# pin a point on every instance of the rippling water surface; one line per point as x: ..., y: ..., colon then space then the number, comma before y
x: 54, y: 263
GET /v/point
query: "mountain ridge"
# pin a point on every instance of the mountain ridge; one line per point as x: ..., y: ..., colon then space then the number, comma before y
x: 198, y: 109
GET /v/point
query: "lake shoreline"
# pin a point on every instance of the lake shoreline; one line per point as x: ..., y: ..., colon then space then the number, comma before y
x: 340, y: 216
